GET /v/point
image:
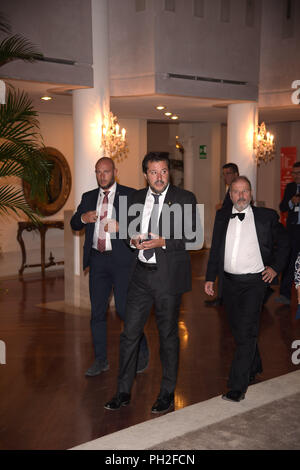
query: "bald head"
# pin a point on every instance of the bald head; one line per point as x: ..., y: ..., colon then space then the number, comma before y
x: 106, y: 172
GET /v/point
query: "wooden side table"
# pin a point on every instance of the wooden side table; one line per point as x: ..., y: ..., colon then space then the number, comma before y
x: 42, y: 228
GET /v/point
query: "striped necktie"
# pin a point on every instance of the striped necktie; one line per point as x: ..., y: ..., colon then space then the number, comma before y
x: 103, y: 214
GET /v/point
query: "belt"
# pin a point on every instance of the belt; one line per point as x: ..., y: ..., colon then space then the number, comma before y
x: 242, y: 277
x: 148, y: 266
x: 108, y: 252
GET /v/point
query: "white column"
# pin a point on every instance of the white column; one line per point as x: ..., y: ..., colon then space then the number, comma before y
x: 241, y: 123
x: 89, y: 107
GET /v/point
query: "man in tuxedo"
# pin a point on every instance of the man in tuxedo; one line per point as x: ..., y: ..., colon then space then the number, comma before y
x: 162, y: 273
x: 291, y: 204
x: 249, y: 248
x: 229, y: 171
x: 108, y: 257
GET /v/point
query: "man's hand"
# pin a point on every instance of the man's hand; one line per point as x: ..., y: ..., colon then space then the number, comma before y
x: 295, y: 199
x: 111, y: 226
x: 268, y: 274
x: 155, y: 242
x: 209, y: 288
x: 89, y: 217
x: 136, y: 242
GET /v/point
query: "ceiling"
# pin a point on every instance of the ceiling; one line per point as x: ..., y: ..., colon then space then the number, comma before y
x: 188, y: 109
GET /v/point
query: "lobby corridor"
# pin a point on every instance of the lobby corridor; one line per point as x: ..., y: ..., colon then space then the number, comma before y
x: 46, y: 402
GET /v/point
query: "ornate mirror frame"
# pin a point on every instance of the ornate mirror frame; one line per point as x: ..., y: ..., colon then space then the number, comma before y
x: 58, y: 190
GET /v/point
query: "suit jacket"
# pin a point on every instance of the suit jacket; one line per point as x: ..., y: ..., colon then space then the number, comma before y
x: 227, y: 203
x: 121, y: 252
x: 174, y: 260
x: 289, y: 192
x: 272, y: 238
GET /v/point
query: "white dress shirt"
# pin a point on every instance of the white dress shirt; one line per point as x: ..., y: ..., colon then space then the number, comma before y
x: 242, y: 252
x: 111, y: 198
x: 148, y: 206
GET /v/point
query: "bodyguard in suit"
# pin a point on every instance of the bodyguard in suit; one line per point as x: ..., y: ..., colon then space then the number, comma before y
x: 108, y: 257
x: 291, y: 204
x: 249, y: 248
x: 162, y: 273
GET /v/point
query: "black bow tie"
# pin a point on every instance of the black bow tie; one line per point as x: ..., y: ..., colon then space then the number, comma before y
x: 240, y: 216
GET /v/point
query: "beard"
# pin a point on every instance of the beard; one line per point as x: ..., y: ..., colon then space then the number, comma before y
x: 241, y: 204
x: 162, y: 187
x: 107, y: 185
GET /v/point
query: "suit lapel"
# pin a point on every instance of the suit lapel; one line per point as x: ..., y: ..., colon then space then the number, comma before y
x: 260, y: 225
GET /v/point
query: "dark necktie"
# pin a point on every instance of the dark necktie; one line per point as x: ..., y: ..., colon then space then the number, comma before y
x: 153, y: 224
x: 239, y: 215
x: 103, y: 214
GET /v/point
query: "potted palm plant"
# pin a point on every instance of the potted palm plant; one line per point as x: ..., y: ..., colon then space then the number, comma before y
x: 21, y: 149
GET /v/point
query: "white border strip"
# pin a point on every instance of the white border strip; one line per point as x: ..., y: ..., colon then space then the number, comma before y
x: 194, y: 417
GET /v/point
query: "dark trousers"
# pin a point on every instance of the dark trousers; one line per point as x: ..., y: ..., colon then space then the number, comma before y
x: 288, y: 273
x: 105, y: 275
x: 148, y: 288
x: 243, y: 299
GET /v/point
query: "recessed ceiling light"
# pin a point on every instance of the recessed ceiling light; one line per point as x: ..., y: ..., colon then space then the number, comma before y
x: 160, y: 107
x: 174, y: 117
x: 46, y: 98
x: 168, y: 113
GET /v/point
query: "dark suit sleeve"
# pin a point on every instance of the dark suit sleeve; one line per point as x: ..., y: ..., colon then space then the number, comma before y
x: 287, y: 196
x: 281, y: 245
x: 75, y: 221
x: 215, y: 250
x: 188, y: 227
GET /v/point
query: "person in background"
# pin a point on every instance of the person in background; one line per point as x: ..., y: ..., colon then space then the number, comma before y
x: 291, y: 204
x: 297, y: 284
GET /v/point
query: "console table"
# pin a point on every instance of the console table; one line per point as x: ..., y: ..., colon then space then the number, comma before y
x: 42, y: 229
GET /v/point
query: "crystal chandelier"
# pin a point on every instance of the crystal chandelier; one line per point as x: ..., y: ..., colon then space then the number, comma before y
x: 113, y: 141
x: 263, y: 144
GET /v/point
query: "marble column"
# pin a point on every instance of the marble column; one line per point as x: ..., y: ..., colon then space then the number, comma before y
x: 241, y: 123
x: 89, y: 107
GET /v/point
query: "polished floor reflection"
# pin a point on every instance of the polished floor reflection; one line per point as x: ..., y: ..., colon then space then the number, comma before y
x: 46, y: 402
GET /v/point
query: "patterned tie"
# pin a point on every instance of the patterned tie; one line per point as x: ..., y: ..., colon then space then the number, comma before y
x: 153, y: 224
x: 103, y: 215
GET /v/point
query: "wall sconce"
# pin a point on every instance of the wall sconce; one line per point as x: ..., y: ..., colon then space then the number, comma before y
x: 112, y: 140
x: 263, y: 144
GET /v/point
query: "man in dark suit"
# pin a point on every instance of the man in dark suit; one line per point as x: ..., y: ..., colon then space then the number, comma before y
x: 229, y: 171
x: 162, y: 273
x: 290, y: 204
x: 249, y: 248
x: 108, y: 257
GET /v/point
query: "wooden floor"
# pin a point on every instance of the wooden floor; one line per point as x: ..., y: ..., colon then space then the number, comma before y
x: 46, y: 402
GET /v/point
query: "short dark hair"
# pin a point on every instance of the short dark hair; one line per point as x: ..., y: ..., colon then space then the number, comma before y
x: 241, y: 178
x: 232, y: 166
x: 296, y: 165
x: 155, y: 157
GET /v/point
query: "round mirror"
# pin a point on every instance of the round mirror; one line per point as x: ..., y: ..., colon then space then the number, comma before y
x: 58, y: 189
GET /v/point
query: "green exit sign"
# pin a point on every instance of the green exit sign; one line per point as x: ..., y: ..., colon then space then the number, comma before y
x: 202, y: 152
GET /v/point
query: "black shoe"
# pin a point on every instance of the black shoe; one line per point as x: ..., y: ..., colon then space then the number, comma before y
x: 142, y: 362
x: 121, y: 399
x: 100, y: 365
x: 234, y: 395
x: 214, y: 302
x: 163, y: 403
